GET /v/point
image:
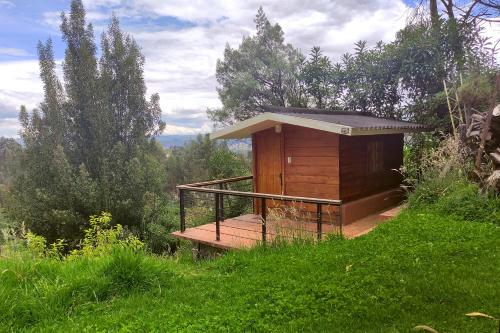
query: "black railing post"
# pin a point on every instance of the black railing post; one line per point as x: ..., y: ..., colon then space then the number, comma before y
x: 318, y: 221
x: 340, y: 220
x: 182, y: 210
x: 221, y: 209
x: 217, y: 216
x: 264, y: 218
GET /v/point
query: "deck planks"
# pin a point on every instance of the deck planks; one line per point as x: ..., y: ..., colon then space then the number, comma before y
x: 246, y: 231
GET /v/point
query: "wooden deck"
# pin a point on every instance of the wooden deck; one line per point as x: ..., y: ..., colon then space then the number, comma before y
x: 246, y: 231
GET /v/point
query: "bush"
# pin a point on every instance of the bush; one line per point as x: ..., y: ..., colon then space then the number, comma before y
x: 160, y: 218
x: 444, y: 184
x: 464, y: 200
x: 101, y: 237
x: 456, y: 196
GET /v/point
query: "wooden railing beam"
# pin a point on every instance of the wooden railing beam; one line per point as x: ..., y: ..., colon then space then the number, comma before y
x: 262, y: 195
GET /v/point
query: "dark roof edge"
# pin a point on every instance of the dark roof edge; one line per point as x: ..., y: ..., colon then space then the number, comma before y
x: 292, y: 109
x: 297, y: 110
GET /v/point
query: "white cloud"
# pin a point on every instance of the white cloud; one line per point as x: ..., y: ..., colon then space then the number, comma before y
x: 14, y: 52
x: 5, y: 3
x: 10, y: 127
x: 180, y: 60
x: 19, y: 85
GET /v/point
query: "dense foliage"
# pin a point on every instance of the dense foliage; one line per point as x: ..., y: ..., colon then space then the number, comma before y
x: 445, y: 184
x: 263, y: 71
x: 400, y: 79
x: 89, y: 147
x: 203, y: 159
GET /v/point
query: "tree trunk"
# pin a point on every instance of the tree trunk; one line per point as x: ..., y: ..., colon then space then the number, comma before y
x: 433, y: 8
x: 486, y: 134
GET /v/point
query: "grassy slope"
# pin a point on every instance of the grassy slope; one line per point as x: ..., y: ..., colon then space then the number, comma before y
x: 421, y: 268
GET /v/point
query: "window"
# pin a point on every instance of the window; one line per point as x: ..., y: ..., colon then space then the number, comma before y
x: 375, y: 156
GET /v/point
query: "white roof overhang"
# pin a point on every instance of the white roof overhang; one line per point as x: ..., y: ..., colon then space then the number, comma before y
x: 267, y: 120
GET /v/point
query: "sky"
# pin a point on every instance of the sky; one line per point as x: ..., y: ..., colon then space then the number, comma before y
x: 182, y: 41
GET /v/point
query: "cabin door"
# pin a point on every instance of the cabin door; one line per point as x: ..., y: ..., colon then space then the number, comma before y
x: 268, y: 156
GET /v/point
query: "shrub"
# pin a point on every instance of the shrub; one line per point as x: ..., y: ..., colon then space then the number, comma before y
x: 458, y: 197
x: 37, y: 245
x: 101, y: 237
x: 464, y: 200
x: 444, y: 184
x: 160, y: 218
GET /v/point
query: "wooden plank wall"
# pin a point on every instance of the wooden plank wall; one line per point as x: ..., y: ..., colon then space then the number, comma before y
x: 314, y: 168
x: 366, y: 163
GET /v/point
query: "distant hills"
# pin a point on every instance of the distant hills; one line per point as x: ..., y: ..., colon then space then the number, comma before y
x: 179, y: 140
x: 175, y: 140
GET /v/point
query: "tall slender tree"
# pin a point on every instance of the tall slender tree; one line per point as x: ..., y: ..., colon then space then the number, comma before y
x: 89, y: 147
x: 80, y: 74
x: 130, y: 117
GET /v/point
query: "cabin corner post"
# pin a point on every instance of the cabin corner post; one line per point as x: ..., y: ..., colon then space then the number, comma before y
x: 182, y: 211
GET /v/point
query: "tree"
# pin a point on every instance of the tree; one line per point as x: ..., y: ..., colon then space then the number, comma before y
x: 89, y: 147
x: 262, y: 71
x: 130, y: 117
x: 370, y: 80
x: 317, y: 75
x: 10, y: 156
x: 203, y: 159
x: 81, y: 88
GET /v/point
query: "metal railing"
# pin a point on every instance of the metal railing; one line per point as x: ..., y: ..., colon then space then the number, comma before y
x: 220, y: 192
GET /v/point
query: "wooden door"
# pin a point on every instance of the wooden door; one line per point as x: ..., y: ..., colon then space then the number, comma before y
x: 268, y: 164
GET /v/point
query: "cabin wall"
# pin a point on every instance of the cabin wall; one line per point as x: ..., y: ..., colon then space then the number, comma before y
x: 311, y: 162
x: 367, y: 164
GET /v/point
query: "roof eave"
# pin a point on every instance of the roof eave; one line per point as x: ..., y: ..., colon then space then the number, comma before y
x: 267, y: 120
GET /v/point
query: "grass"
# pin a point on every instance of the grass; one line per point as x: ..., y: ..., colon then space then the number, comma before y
x: 422, y: 268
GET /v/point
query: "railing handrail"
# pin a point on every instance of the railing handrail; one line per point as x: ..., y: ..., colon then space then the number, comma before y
x: 218, y: 181
x: 219, y: 203
x: 261, y: 195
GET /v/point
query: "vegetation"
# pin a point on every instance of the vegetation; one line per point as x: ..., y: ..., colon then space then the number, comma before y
x: 414, y: 270
x: 89, y: 146
x: 90, y: 195
x: 400, y: 79
x: 204, y: 159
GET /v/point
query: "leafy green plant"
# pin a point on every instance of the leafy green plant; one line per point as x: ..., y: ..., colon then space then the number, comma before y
x: 160, y: 218
x: 102, y: 237
x: 37, y: 245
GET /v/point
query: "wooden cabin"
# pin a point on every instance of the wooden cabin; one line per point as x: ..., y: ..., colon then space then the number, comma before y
x: 339, y: 165
x: 315, y: 153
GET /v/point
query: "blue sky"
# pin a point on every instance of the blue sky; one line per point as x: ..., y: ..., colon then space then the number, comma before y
x: 182, y: 41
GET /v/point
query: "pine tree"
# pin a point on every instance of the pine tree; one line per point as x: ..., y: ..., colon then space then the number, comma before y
x: 81, y: 78
x: 130, y: 118
x: 89, y: 147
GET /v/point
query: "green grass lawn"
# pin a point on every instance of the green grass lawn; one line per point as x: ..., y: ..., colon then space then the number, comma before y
x: 421, y: 268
